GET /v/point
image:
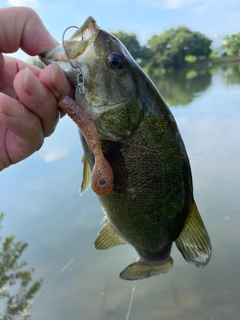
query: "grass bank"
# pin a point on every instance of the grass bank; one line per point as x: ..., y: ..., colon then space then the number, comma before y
x: 211, y: 62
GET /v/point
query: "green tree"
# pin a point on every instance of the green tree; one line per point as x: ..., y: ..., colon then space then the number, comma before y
x: 140, y: 53
x: 170, y: 48
x: 232, y: 44
x: 16, y: 287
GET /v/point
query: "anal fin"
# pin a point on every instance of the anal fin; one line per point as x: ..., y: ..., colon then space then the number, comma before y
x: 193, y: 241
x: 139, y: 270
x: 107, y: 238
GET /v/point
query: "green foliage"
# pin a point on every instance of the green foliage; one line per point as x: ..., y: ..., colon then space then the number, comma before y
x: 170, y: 49
x: 190, y: 59
x: 191, y: 74
x: 13, y: 272
x: 176, y: 48
x: 232, y: 44
x: 214, y: 54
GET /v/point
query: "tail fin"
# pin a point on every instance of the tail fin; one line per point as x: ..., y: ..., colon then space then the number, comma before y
x: 139, y: 270
x: 193, y: 241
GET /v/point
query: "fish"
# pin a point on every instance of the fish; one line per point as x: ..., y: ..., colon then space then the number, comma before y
x: 151, y: 204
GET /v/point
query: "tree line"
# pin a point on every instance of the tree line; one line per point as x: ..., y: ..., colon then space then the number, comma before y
x: 167, y: 51
x: 174, y: 48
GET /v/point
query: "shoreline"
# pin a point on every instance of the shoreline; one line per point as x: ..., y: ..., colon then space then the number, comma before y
x: 206, y: 63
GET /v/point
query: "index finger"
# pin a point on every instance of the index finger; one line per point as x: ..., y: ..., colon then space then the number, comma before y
x: 21, y: 27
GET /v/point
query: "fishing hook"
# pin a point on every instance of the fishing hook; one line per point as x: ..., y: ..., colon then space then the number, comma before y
x: 80, y: 77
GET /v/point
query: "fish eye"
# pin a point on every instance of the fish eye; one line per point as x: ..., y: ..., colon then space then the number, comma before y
x: 115, y: 60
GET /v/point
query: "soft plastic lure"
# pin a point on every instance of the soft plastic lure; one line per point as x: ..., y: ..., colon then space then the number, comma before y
x: 102, y: 174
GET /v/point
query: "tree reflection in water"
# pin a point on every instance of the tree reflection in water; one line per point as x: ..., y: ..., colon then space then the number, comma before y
x: 231, y: 74
x: 181, y: 88
x: 17, y: 288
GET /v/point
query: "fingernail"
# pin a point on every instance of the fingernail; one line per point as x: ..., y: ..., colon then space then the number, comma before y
x: 32, y: 85
x: 15, y: 110
x: 61, y: 87
x: 55, y: 69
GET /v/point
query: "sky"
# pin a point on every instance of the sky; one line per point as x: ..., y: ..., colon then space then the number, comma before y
x: 143, y: 17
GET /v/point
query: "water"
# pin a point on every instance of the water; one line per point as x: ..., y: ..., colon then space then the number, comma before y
x: 43, y: 209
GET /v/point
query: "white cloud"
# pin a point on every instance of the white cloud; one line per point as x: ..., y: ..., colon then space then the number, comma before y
x: 173, y: 4
x: 55, y: 154
x: 25, y: 3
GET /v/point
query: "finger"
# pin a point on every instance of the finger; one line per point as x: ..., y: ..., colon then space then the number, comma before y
x: 40, y: 93
x: 24, y: 135
x: 10, y: 67
x: 53, y: 77
x: 22, y: 28
x: 38, y: 99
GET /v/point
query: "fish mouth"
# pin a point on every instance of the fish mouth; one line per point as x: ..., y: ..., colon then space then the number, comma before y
x: 86, y: 31
x: 70, y: 50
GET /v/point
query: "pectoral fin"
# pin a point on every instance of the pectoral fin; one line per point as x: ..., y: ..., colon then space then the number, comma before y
x: 107, y: 238
x: 193, y: 241
x: 139, y: 270
x: 86, y: 175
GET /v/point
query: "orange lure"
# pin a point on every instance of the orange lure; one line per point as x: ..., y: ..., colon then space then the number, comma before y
x: 102, y: 174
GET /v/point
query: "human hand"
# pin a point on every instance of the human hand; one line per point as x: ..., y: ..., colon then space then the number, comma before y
x: 28, y: 95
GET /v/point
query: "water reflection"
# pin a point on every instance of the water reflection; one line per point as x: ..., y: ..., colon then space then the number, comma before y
x: 181, y: 88
x: 17, y: 288
x: 231, y: 74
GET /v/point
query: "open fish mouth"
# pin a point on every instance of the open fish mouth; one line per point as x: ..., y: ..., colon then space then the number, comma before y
x: 86, y: 31
x: 74, y: 47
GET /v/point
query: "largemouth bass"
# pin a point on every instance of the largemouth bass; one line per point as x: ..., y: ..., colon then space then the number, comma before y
x: 151, y: 204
